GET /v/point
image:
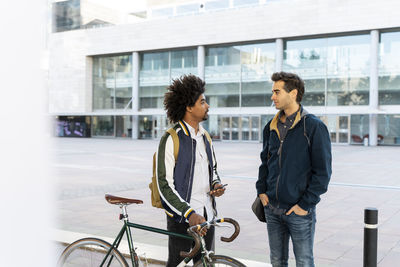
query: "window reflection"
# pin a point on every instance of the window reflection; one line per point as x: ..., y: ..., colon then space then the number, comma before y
x: 257, y: 66
x: 389, y: 129
x: 389, y: 69
x: 240, y: 75
x: 66, y: 15
x: 112, y: 82
x: 157, y: 69
x: 103, y: 126
x: 216, y: 5
x: 335, y: 70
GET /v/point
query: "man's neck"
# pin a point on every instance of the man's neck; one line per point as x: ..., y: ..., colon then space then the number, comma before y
x: 290, y: 110
x: 194, y: 124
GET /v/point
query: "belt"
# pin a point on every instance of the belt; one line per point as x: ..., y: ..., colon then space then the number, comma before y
x: 276, y: 211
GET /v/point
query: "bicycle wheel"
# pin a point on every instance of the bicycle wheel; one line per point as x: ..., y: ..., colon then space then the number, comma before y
x: 90, y: 252
x: 220, y: 261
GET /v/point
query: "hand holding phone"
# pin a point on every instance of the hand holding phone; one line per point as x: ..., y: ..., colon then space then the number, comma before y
x: 220, y: 190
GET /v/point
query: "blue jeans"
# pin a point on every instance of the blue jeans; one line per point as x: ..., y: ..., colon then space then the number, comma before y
x: 300, y: 229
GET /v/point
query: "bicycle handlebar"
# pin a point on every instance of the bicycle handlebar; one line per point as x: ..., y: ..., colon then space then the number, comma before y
x: 193, y: 231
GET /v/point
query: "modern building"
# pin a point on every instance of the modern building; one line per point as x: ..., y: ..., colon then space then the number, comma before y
x: 108, y: 71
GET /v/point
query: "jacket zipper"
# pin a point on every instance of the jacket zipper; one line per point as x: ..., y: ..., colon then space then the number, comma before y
x: 279, y: 176
x: 191, y: 169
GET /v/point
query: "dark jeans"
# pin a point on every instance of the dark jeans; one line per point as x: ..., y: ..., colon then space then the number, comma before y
x: 176, y: 244
x: 300, y: 229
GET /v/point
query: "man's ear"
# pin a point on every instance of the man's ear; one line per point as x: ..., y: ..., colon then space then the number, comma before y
x: 293, y: 93
x: 189, y: 109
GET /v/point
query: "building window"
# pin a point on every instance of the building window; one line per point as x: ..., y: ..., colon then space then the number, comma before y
x: 188, y: 9
x: 389, y: 69
x: 103, y: 126
x: 389, y: 129
x: 335, y: 70
x: 359, y: 128
x: 257, y: 65
x: 66, y: 15
x: 239, y: 3
x: 216, y: 5
x: 157, y: 69
x: 72, y: 126
x: 112, y: 82
x: 239, y: 75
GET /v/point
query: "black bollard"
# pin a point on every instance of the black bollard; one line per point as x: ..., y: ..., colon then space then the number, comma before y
x: 370, y: 237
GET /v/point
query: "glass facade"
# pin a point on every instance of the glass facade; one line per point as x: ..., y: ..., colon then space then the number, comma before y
x: 236, y: 128
x: 112, y: 82
x: 152, y: 126
x: 112, y: 126
x: 157, y: 70
x: 335, y: 70
x: 238, y: 76
x: 389, y: 69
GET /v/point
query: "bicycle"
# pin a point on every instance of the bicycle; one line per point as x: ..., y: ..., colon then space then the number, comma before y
x: 97, y: 252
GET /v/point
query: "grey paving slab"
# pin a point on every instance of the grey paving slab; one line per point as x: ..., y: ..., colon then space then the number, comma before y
x: 86, y: 169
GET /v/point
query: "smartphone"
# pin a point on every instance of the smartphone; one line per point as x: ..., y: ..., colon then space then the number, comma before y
x: 223, y: 186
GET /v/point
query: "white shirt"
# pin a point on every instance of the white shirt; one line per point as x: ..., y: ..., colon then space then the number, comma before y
x: 201, y: 178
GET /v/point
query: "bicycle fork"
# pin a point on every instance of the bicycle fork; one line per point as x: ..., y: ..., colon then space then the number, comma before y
x: 205, y: 255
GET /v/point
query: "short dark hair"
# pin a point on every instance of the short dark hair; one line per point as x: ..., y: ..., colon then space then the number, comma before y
x: 292, y: 81
x: 182, y: 93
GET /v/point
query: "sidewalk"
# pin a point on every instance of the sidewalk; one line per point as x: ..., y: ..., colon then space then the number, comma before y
x: 362, y: 177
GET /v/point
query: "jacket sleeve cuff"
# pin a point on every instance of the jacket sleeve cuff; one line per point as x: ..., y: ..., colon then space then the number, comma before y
x: 304, y: 205
x: 188, y: 212
x: 214, y: 183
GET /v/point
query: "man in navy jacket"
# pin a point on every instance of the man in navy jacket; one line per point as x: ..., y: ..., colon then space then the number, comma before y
x: 295, y: 171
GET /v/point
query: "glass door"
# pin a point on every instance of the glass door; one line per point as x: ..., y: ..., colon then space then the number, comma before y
x: 245, y: 128
x: 235, y: 128
x: 339, y: 128
x: 160, y: 124
x: 226, y: 128
x: 255, y: 128
x: 343, y: 129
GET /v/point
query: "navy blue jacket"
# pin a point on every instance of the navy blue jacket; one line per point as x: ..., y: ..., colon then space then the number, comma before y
x: 176, y: 190
x: 298, y: 169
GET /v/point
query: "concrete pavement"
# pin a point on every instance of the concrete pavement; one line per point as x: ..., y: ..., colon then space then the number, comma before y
x: 85, y: 169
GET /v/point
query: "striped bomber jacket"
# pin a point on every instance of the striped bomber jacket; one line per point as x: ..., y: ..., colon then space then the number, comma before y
x: 175, y: 178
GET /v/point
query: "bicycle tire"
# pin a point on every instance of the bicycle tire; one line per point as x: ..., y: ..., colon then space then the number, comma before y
x: 90, y: 252
x: 220, y: 261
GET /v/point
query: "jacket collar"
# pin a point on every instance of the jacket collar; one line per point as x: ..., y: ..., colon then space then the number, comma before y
x: 192, y: 131
x: 184, y: 127
x: 274, y: 123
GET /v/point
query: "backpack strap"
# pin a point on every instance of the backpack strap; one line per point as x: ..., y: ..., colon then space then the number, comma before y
x: 208, y: 137
x: 175, y: 140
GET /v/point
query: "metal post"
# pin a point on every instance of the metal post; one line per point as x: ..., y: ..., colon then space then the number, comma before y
x: 370, y: 237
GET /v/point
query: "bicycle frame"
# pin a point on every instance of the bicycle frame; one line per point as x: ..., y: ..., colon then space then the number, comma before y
x: 126, y: 228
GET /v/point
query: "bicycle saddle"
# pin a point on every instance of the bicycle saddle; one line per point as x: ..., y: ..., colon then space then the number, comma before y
x: 121, y: 200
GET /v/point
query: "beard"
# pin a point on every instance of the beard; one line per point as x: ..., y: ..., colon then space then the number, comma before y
x: 205, y: 116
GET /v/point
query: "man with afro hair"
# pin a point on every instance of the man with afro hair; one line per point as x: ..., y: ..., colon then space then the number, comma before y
x: 188, y: 184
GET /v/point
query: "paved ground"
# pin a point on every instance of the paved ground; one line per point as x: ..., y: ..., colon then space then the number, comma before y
x: 85, y: 169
